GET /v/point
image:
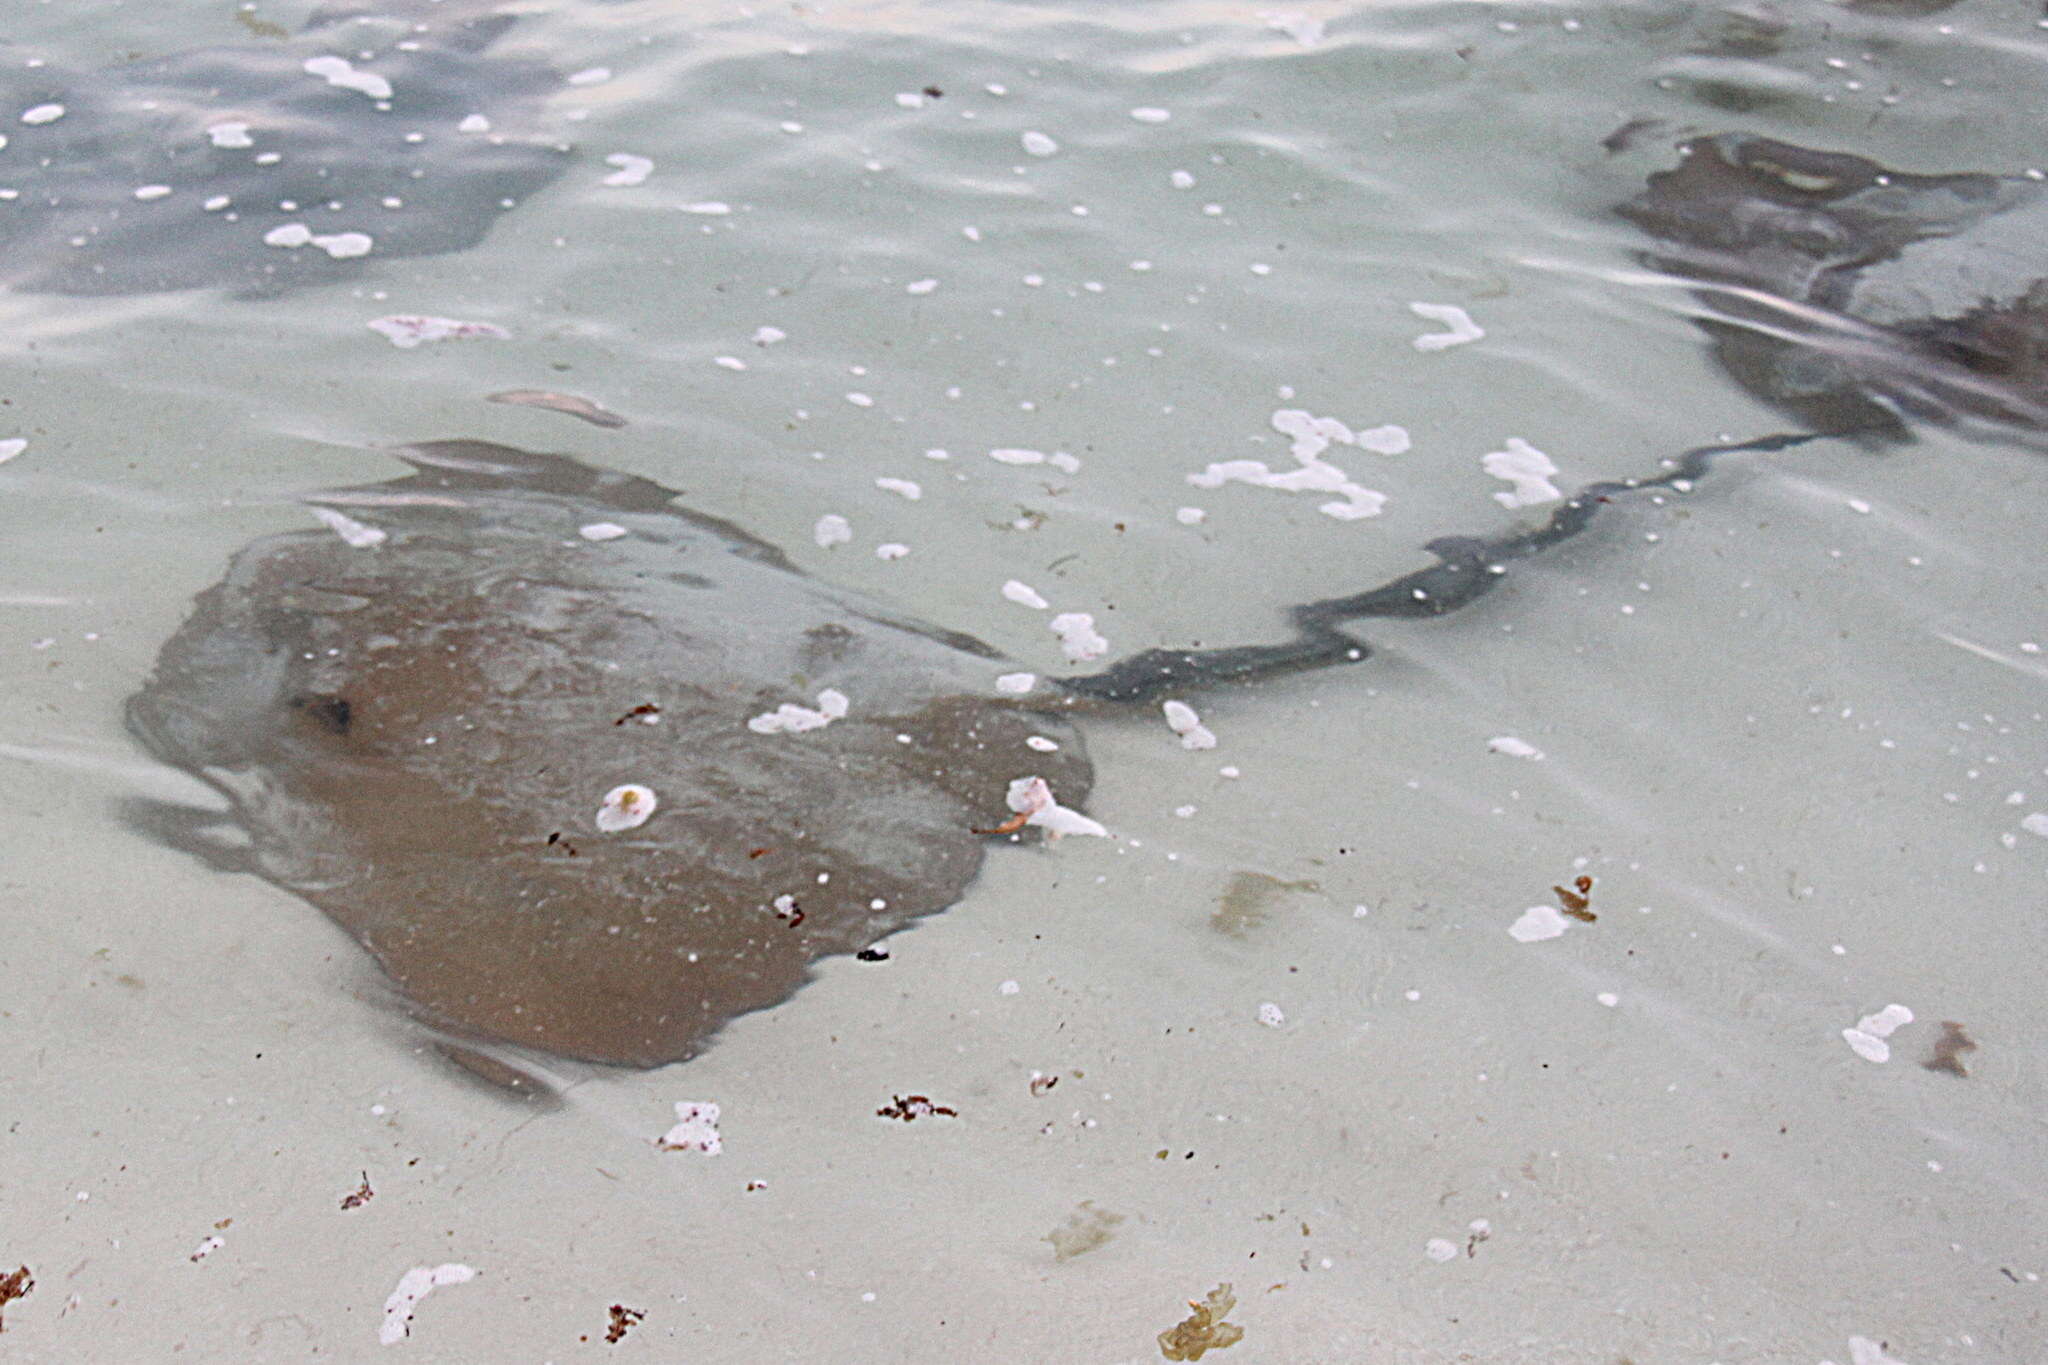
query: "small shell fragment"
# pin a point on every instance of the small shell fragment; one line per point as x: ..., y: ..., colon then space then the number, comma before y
x: 1182, y: 720
x: 626, y: 807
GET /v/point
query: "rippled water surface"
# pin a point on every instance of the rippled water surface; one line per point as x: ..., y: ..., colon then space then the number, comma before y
x: 1292, y: 1025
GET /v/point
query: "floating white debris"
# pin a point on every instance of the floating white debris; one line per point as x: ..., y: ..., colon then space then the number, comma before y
x: 1148, y: 114
x: 1527, y: 468
x: 217, y: 203
x: 349, y: 529
x: 1462, y: 328
x: 1040, y: 743
x: 632, y: 170
x: 339, y: 71
x: 1078, y: 637
x: 709, y: 208
x: 1868, y: 1037
x: 1538, y: 923
x: 233, y: 133
x: 1190, y: 516
x: 1031, y: 797
x: 729, y: 362
x: 903, y: 487
x: 1296, y: 25
x: 1311, y: 436
x: 1016, y: 684
x: 12, y: 447
x: 1181, y: 180
x: 148, y: 192
x: 696, y: 1129
x: 910, y: 99
x: 1864, y: 1351
x: 1182, y: 720
x: 1512, y: 747
x: 626, y: 807
x: 1024, y: 595
x: 768, y: 336
x: 894, y: 549
x: 289, y: 235
x: 1036, y: 143
x: 920, y: 286
x: 407, y: 330
x: 2035, y: 822
x: 413, y: 1286
x: 1270, y: 1015
x: 791, y: 719
x: 1016, y: 455
x: 1441, y: 1250
x: 43, y: 113
x: 474, y: 123
x: 343, y: 245
x: 1065, y: 463
x: 602, y: 530
x: 592, y: 75
x: 832, y: 529
x: 206, y: 1248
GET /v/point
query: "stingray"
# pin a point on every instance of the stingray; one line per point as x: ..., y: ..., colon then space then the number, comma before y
x: 414, y: 722
x: 1855, y: 297
x: 263, y: 167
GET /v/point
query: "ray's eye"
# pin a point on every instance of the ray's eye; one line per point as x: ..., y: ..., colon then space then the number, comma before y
x: 331, y: 712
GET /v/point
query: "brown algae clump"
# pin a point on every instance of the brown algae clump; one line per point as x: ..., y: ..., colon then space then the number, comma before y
x: 1203, y: 1328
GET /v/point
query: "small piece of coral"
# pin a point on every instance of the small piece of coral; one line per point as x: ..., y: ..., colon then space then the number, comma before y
x: 1203, y: 1328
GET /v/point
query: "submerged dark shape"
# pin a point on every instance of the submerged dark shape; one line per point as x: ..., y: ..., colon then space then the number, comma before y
x: 1855, y: 297
x: 170, y: 172
x: 416, y: 736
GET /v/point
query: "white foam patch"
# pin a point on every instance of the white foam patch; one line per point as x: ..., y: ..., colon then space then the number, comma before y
x: 696, y: 1129
x: 474, y: 123
x: 2035, y: 822
x: 591, y: 75
x: 339, y: 245
x: 1149, y: 114
x: 832, y: 529
x: 12, y: 447
x: 602, y: 530
x: 233, y: 133
x: 354, y: 532
x: 413, y: 1286
x: 1527, y: 468
x: 1440, y: 1250
x: 1311, y: 436
x: 791, y: 719
x: 708, y: 208
x: 920, y: 286
x: 1024, y: 595
x: 1016, y: 455
x: 42, y: 113
x: 632, y: 170
x: 1867, y: 1039
x: 1538, y: 923
x: 1183, y: 721
x: 407, y: 330
x: 1032, y: 798
x: 1512, y: 747
x: 903, y: 488
x: 145, y: 193
x: 1190, y: 516
x: 339, y: 71
x: 1462, y: 330
x: 1078, y: 637
x: 1016, y: 684
x: 1271, y: 1015
x: 1039, y: 144
x: 894, y: 549
x: 626, y: 807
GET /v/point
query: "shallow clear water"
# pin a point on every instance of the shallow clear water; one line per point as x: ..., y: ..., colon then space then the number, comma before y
x: 1790, y: 722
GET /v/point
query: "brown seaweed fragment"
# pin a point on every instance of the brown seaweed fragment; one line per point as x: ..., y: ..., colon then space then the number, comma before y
x: 1575, y: 899
x: 1203, y: 1328
x: 575, y: 405
x: 1949, y: 1048
x: 623, y: 1320
x: 359, y: 1196
x: 14, y: 1285
x: 909, y: 1108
